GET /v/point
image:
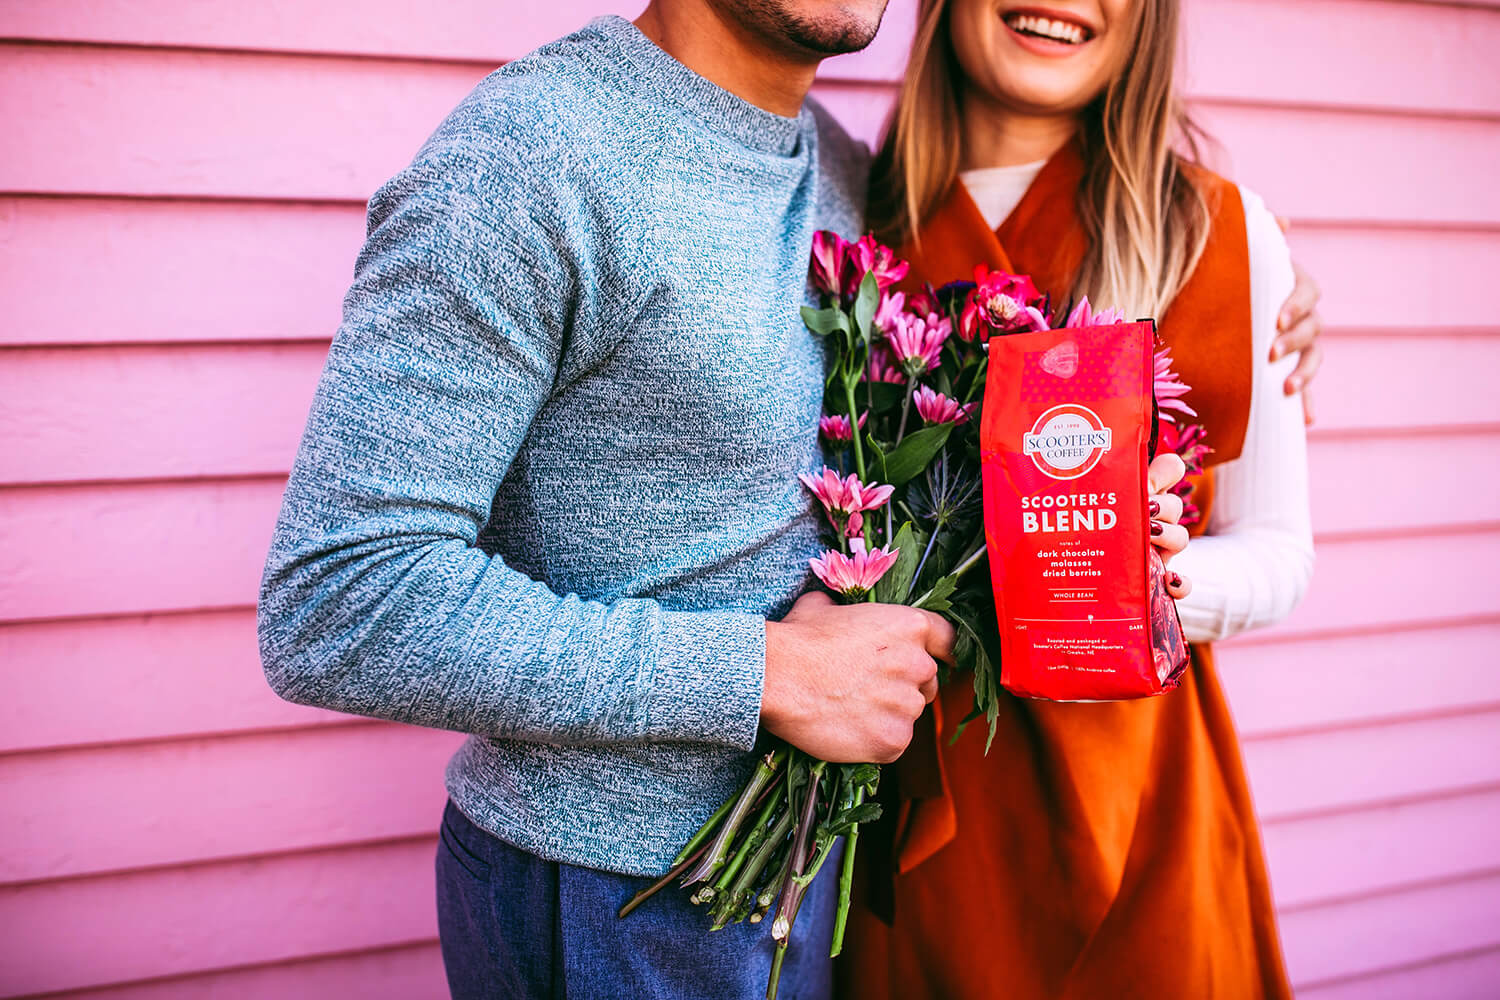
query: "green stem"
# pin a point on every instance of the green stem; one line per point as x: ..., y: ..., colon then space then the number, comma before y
x: 846, y: 884
x: 698, y: 839
x: 911, y: 389
x: 749, y: 797
x: 764, y: 852
x: 727, y: 899
x: 859, y: 451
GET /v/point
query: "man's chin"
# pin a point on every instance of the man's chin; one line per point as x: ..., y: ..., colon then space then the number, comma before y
x: 824, y: 29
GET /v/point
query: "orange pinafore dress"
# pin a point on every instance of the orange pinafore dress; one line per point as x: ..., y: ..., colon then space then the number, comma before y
x: 1103, y: 851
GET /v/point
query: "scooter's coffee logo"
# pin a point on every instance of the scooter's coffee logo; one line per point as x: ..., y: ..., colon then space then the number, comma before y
x: 1067, y: 441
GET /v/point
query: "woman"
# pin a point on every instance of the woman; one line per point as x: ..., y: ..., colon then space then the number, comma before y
x: 1099, y: 850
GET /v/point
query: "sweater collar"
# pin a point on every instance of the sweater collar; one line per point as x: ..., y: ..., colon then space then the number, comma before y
x: 722, y: 111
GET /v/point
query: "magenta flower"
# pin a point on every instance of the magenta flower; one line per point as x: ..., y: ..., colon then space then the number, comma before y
x: 867, y: 256
x: 1187, y: 441
x: 847, y: 495
x: 1008, y: 303
x: 837, y: 429
x: 935, y: 408
x: 829, y: 252
x: 855, y: 575
x: 891, y: 306
x: 970, y: 321
x: 917, y: 342
x: 883, y: 365
x: 1169, y: 388
x: 1083, y: 315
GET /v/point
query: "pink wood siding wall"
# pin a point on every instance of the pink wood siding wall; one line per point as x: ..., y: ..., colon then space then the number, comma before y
x: 181, y: 199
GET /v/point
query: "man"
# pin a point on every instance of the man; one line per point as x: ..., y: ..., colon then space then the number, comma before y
x: 547, y: 496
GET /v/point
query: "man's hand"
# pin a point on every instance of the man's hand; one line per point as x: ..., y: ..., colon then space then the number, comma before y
x: 846, y: 682
x: 1299, y: 325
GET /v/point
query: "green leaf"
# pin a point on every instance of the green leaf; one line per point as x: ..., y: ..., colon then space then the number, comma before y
x: 874, y: 461
x: 913, y: 454
x: 893, y: 587
x: 825, y: 321
x: 865, y: 304
x: 936, y: 599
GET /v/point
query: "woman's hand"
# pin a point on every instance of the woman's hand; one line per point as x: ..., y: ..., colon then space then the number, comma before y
x: 1299, y: 325
x: 1167, y: 535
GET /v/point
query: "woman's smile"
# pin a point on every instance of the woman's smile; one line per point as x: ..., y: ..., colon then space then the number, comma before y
x: 1047, y: 32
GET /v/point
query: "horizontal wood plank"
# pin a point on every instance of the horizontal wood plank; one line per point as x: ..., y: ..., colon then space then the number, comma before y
x: 181, y: 123
x: 1356, y: 768
x: 125, y: 549
x: 469, y: 30
x: 1333, y: 52
x: 1386, y: 932
x: 1383, y: 583
x: 91, y: 932
x: 1374, y: 482
x: 1353, y: 266
x: 220, y: 124
x: 1313, y: 684
x: 1326, y: 858
x: 405, y: 972
x: 82, y: 812
x: 100, y: 270
x: 180, y: 675
x: 1472, y: 976
x: 1341, y: 166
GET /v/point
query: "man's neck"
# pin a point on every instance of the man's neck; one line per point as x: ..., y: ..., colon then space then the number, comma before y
x: 775, y: 78
x: 999, y: 137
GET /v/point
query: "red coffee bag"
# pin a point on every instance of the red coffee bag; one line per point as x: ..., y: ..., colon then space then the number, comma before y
x: 1065, y: 437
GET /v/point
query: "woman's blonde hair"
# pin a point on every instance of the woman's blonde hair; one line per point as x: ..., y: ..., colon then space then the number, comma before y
x: 1146, y: 220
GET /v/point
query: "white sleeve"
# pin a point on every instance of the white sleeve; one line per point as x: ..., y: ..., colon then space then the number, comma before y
x: 1252, y: 565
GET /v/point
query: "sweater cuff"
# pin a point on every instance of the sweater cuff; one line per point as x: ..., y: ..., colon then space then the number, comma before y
x: 710, y: 669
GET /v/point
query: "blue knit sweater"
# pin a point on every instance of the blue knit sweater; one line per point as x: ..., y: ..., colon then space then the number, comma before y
x: 547, y: 491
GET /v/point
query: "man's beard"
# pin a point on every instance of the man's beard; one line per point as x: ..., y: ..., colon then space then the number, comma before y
x: 836, y: 33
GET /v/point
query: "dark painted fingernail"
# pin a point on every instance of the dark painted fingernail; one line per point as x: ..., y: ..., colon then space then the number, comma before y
x: 1155, y: 507
x: 1156, y: 528
x: 1175, y: 580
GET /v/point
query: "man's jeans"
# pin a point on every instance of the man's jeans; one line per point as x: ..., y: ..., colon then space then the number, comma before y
x: 515, y: 926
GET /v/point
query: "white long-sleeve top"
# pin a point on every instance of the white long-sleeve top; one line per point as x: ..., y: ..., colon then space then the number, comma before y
x: 1254, y: 561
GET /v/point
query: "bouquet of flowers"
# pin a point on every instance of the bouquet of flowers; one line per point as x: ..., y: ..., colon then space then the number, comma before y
x: 901, y: 502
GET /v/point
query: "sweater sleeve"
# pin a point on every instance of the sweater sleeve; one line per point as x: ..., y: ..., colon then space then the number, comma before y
x: 1254, y: 562
x: 376, y: 599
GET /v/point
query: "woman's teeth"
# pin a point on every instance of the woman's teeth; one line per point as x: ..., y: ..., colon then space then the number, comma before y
x: 1044, y: 27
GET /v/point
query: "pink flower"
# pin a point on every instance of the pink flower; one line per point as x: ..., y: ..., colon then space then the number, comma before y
x: 1082, y: 315
x: 844, y: 496
x: 917, y: 342
x: 883, y: 365
x: 837, y: 430
x: 1009, y: 303
x: 870, y: 257
x: 854, y: 576
x: 891, y: 306
x: 1169, y: 388
x: 935, y: 408
x: 829, y: 251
